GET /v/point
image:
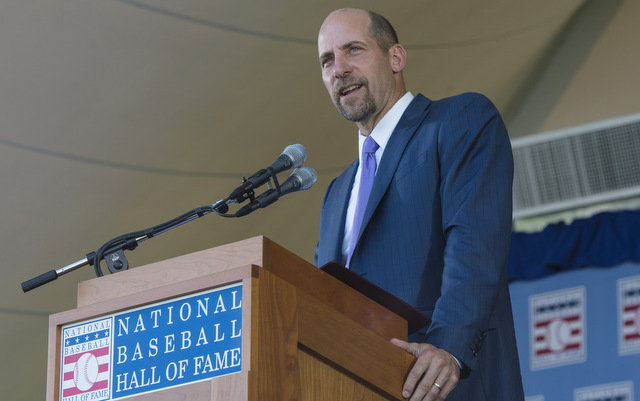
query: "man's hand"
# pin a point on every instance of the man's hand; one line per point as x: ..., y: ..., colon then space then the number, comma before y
x: 434, y: 374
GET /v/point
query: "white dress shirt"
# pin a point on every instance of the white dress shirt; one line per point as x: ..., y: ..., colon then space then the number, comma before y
x: 381, y: 134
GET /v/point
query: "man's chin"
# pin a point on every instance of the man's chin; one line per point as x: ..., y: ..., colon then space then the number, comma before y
x: 354, y: 118
x: 348, y: 111
x: 355, y: 110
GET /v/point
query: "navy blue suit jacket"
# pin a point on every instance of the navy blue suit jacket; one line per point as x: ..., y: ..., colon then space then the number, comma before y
x: 436, y: 234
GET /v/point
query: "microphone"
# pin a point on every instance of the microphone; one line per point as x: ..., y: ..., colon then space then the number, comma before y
x: 300, y: 179
x: 291, y: 157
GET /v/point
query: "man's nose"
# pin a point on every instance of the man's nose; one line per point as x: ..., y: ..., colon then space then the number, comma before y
x: 341, y: 66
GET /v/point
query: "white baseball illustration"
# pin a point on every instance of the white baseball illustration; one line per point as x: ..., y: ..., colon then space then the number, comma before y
x: 85, y: 372
x: 559, y: 335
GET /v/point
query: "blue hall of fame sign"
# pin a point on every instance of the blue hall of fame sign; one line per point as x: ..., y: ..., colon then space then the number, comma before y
x: 154, y: 347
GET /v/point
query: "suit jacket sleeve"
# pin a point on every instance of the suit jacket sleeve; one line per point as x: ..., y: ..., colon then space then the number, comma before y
x: 476, y: 181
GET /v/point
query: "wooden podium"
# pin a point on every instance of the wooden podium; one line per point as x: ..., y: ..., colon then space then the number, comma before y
x: 305, y: 334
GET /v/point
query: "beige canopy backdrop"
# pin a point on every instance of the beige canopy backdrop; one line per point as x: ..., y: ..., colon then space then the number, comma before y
x: 117, y: 115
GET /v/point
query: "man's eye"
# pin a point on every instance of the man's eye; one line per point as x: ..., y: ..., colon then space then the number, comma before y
x: 326, y: 61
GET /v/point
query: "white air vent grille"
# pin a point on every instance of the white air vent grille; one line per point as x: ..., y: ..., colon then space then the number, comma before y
x: 576, y: 167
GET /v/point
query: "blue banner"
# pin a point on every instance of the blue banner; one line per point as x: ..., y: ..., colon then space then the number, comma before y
x: 151, y: 348
x: 579, y: 334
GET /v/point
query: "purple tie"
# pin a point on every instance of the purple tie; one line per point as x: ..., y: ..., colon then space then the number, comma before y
x: 367, y: 174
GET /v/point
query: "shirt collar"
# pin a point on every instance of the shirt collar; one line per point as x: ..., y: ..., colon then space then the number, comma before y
x: 383, y: 130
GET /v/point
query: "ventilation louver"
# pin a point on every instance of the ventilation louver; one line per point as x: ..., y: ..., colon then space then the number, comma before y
x: 576, y: 167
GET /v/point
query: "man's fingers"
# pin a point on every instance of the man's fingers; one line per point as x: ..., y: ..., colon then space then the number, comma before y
x: 419, y: 379
x: 414, y: 349
x: 425, y: 389
x: 416, y: 371
x: 419, y: 382
x: 433, y: 376
x: 408, y: 347
x: 447, y: 379
x: 445, y: 383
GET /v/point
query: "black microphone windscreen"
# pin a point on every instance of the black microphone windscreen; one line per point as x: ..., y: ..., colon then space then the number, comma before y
x: 297, y: 153
x: 307, y: 177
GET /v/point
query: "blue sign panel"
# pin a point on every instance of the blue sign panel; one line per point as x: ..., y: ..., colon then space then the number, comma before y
x: 578, y: 334
x: 155, y: 347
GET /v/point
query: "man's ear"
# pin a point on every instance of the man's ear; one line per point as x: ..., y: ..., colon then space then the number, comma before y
x: 398, y: 57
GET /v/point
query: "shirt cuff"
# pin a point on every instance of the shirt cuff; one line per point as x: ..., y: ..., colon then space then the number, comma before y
x: 458, y: 362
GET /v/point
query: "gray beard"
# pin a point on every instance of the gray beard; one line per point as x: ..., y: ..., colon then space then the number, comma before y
x: 365, y: 110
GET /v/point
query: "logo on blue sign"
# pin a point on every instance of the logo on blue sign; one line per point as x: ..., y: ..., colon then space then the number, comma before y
x: 164, y: 345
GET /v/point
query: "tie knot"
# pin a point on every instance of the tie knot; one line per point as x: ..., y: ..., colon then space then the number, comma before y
x: 370, y: 145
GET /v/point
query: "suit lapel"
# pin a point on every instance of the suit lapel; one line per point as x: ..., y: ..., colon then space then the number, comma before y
x: 342, y: 191
x: 402, y: 134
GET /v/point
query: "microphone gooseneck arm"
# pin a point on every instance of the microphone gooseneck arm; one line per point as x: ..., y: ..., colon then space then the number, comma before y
x: 113, y: 251
x: 121, y: 243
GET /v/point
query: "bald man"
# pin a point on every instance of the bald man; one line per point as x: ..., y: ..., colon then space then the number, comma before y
x: 425, y: 212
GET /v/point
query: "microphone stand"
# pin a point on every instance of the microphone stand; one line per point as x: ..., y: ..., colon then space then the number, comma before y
x: 113, y: 251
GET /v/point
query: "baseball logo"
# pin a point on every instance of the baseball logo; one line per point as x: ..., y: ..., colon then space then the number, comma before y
x: 559, y: 335
x: 85, y: 372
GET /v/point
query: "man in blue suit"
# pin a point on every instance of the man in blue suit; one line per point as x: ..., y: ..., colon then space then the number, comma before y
x: 435, y: 230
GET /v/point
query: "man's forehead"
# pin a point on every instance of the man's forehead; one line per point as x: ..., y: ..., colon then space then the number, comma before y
x: 348, y: 17
x: 342, y: 28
